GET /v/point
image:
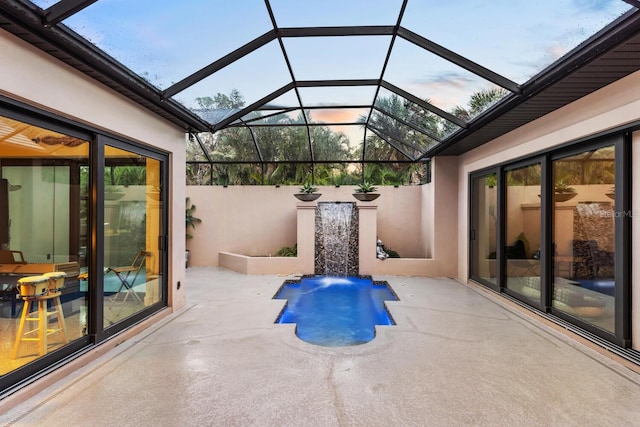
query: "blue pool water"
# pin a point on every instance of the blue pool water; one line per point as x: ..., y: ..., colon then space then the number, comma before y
x: 604, y: 286
x: 335, y: 311
x: 112, y: 283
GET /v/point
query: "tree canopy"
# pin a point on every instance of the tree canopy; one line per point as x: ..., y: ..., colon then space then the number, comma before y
x: 289, y: 148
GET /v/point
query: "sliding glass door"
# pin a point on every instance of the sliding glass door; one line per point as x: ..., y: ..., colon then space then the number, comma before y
x: 523, y: 232
x: 484, y: 230
x: 43, y: 228
x: 584, y: 236
x: 555, y: 234
x: 133, y: 230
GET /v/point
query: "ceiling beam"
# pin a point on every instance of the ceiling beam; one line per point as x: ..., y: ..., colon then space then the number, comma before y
x: 396, y: 27
x: 406, y: 123
x: 69, y: 47
x: 634, y: 3
x: 201, y: 144
x: 618, y: 32
x: 275, y: 125
x: 390, y: 143
x: 459, y: 60
x: 402, y: 141
x: 424, y: 104
x: 329, y: 83
x: 232, y: 118
x: 371, y: 30
x: 266, y: 116
x: 219, y: 64
x: 63, y: 9
x: 255, y: 144
x: 290, y: 68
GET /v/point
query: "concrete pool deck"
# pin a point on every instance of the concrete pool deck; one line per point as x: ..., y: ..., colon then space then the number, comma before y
x: 457, y: 356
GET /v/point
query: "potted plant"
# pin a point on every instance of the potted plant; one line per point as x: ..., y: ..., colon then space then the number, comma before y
x: 113, y: 192
x: 365, y: 192
x: 611, y: 193
x: 562, y: 192
x: 307, y: 193
x: 190, y: 222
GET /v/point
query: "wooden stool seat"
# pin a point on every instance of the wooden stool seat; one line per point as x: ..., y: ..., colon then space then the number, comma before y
x: 37, y: 290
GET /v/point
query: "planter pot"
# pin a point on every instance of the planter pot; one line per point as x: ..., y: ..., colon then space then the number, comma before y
x: 366, y: 197
x: 113, y: 195
x: 307, y: 197
x: 563, y: 197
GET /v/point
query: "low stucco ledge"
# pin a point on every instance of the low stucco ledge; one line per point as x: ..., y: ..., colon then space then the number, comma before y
x: 422, y: 267
x: 259, y: 265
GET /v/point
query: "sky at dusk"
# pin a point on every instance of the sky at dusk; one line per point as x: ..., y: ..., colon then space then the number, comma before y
x: 166, y: 41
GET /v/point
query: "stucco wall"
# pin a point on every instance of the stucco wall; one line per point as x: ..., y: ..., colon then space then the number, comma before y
x: 37, y: 79
x: 613, y: 106
x: 259, y: 220
x: 427, y: 220
x: 445, y: 214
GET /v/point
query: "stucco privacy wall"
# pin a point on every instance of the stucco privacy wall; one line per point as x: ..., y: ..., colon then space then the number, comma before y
x: 259, y: 220
x: 35, y: 78
x: 607, y: 108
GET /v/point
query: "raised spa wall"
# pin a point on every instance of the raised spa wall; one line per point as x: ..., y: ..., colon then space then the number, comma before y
x: 305, y: 262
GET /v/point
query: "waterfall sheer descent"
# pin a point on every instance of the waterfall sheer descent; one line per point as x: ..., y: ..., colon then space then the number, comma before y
x: 336, y: 239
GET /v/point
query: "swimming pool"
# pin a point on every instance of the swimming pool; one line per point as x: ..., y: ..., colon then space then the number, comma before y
x: 335, y: 311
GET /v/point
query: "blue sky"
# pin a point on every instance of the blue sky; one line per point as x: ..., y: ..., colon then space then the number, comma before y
x: 169, y: 40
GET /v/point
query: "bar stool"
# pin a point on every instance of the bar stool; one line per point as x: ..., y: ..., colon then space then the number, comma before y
x: 56, y: 286
x: 37, y: 289
x: 56, y: 280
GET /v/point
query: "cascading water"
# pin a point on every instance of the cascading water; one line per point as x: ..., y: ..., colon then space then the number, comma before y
x: 336, y: 239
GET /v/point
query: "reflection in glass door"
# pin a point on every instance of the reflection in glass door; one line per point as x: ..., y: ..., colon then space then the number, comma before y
x: 484, y: 228
x: 43, y: 297
x: 523, y: 231
x: 584, y: 236
x: 132, y: 230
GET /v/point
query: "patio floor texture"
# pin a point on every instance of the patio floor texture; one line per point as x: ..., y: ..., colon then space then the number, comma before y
x: 457, y: 356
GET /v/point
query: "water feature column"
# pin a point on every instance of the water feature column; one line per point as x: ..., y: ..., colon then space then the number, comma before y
x: 306, y: 237
x: 336, y: 251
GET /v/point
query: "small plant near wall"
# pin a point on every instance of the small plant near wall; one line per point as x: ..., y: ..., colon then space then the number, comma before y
x: 308, y: 189
x: 611, y: 193
x: 190, y: 221
x: 365, y: 192
x: 563, y: 192
x: 365, y: 188
x: 291, y: 251
x: 491, y: 180
x: 307, y: 193
x: 562, y: 188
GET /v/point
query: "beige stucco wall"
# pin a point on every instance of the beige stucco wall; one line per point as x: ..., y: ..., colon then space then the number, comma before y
x: 445, y: 214
x: 37, y: 79
x: 259, y: 220
x: 427, y: 222
x: 613, y: 106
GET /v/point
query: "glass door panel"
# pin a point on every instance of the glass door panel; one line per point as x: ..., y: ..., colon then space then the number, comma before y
x: 42, y: 250
x: 523, y: 232
x: 132, y: 230
x: 484, y: 228
x: 584, y: 236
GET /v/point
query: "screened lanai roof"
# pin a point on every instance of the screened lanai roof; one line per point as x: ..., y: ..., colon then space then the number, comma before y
x: 424, y: 77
